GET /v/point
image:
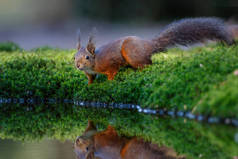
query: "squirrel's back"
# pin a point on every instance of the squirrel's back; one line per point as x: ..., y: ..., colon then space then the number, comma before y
x: 193, y: 30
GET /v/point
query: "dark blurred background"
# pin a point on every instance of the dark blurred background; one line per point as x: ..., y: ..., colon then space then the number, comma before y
x: 33, y: 23
x: 153, y: 10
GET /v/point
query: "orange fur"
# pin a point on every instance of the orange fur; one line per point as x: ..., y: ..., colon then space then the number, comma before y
x: 137, y: 52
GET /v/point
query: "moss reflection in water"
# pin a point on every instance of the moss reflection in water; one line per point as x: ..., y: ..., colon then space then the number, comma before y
x: 63, y: 122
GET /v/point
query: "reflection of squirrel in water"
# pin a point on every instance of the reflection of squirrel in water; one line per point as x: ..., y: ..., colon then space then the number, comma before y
x: 108, y: 145
x: 136, y: 52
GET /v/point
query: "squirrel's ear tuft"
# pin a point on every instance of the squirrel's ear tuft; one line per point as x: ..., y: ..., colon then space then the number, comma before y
x: 91, y: 42
x: 78, y: 46
x: 111, y: 130
x: 90, y: 126
x: 80, y: 141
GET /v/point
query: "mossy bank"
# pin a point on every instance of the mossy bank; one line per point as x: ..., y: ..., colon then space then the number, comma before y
x: 200, y: 79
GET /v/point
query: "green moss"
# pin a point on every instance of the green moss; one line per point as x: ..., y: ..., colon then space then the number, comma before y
x: 9, y: 47
x: 44, y: 49
x: 199, y: 79
x: 222, y: 99
x: 176, y: 78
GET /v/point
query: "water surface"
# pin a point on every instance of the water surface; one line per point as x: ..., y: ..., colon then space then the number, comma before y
x: 45, y: 149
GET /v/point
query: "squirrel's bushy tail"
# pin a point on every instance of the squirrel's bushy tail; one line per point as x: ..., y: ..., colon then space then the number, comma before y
x: 193, y: 30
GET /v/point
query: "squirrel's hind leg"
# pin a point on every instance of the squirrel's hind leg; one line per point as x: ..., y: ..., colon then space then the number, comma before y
x: 136, y: 52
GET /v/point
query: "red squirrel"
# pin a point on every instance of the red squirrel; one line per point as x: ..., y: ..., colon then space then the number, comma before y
x: 108, y: 144
x: 137, y: 52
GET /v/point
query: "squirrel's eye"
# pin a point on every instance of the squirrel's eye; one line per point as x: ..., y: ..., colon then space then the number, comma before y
x: 87, y: 57
x: 86, y: 148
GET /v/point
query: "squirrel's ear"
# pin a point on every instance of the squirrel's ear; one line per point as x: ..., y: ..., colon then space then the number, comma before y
x: 91, y: 42
x: 111, y: 130
x: 90, y: 126
x: 78, y: 46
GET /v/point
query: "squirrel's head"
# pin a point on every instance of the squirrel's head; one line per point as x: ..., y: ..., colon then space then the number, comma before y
x: 85, y: 57
x: 84, y: 145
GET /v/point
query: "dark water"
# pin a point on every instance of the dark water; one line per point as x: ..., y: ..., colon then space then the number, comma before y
x: 45, y: 149
x: 223, y: 130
